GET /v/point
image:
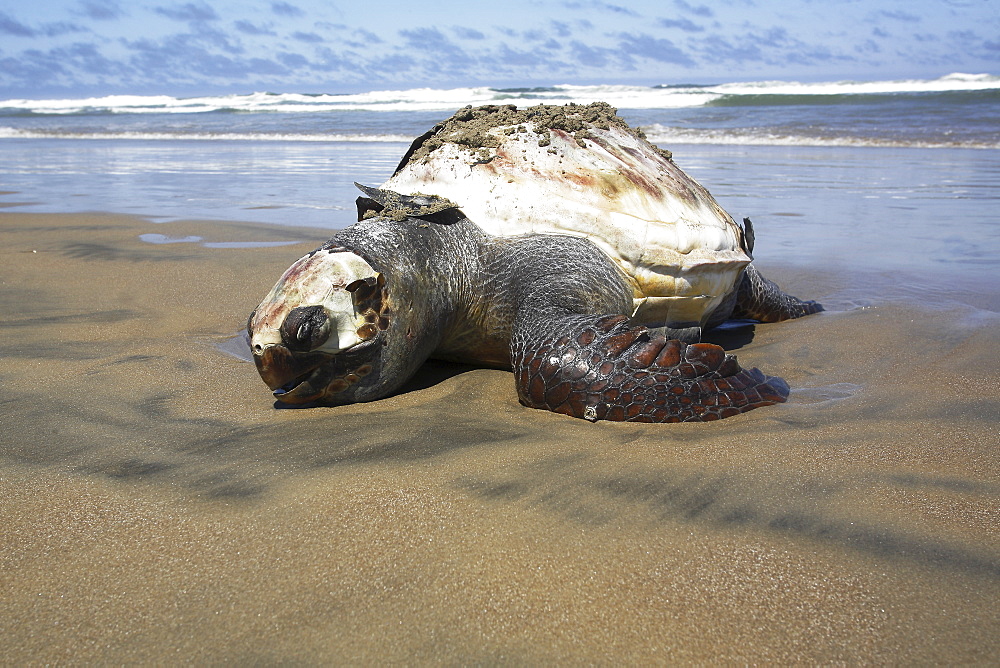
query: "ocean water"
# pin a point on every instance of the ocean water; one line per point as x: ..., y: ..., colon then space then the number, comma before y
x: 878, y: 177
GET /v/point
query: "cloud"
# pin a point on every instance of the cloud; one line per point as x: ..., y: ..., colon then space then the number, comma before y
x: 61, y: 28
x: 654, y: 48
x: 359, y: 37
x: 326, y: 61
x: 423, y: 35
x: 687, y: 25
x: 963, y: 36
x: 776, y: 47
x: 969, y: 41
x: 535, y: 35
x: 542, y: 37
x: 814, y: 55
x: 722, y: 50
x: 216, y: 39
x: 442, y: 55
x: 33, y: 67
x: 900, y: 16
x: 308, y: 37
x: 102, y: 10
x: 195, y: 12
x: 593, y: 5
x: 88, y: 58
x: 592, y: 56
x: 467, y: 33
x: 248, y: 28
x: 868, y: 46
x: 286, y: 9
x: 71, y: 64
x: 618, y: 9
x: 700, y: 10
x: 518, y: 59
x: 560, y: 28
x: 293, y: 60
x: 194, y: 59
x: 392, y: 63
x: 11, y: 26
x: 569, y: 40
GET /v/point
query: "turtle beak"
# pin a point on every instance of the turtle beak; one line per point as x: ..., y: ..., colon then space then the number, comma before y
x: 288, y: 374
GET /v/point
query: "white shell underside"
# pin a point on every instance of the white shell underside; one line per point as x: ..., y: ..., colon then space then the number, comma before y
x: 675, y: 244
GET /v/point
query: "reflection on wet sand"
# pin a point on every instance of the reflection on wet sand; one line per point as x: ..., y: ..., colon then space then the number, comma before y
x: 156, y: 504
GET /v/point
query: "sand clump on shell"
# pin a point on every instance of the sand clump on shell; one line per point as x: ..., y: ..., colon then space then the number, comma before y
x: 476, y: 128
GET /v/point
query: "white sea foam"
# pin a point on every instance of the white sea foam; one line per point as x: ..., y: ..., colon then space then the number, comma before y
x: 669, y: 136
x: 432, y: 99
x: 952, y: 82
x: 360, y: 118
x: 21, y: 133
x: 656, y: 133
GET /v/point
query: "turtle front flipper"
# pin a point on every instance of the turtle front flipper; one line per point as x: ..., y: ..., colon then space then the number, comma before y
x: 757, y: 298
x: 600, y: 368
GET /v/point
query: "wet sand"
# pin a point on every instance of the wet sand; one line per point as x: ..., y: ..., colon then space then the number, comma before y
x: 157, y: 508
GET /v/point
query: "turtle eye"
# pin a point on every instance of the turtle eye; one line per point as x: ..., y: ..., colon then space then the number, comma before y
x: 306, y: 328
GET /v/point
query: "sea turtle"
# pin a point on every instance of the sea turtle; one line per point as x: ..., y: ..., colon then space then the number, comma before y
x: 555, y: 241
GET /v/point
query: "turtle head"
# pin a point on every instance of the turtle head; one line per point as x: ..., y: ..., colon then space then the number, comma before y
x: 319, y: 335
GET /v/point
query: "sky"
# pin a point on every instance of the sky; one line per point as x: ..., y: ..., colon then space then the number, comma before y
x: 80, y: 48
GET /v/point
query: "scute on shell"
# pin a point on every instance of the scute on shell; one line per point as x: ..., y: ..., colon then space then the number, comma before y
x: 580, y: 170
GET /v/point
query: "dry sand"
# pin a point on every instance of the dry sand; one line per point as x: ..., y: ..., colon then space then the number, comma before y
x: 157, y: 508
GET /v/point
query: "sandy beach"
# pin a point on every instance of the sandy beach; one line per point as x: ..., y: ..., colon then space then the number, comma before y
x: 157, y: 507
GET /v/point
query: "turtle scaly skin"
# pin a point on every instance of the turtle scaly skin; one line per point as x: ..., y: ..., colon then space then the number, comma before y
x: 605, y: 370
x: 549, y: 307
x: 758, y: 298
x: 590, y: 266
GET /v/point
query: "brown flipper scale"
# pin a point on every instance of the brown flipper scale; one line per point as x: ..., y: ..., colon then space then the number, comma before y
x: 600, y: 368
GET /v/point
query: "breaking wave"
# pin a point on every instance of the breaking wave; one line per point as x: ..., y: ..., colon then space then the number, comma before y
x: 431, y: 99
x: 671, y: 136
x: 955, y: 111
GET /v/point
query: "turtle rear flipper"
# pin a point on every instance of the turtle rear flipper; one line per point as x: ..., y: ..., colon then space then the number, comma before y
x: 600, y: 368
x: 758, y: 298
